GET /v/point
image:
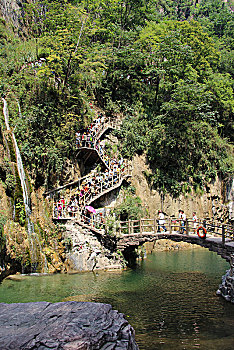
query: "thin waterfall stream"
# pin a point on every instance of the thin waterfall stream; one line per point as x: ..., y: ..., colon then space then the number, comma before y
x: 34, y: 242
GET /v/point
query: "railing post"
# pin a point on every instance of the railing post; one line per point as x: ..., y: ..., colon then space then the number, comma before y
x: 204, y: 223
x: 170, y: 225
x: 155, y: 226
x: 187, y: 227
x: 223, y: 234
x: 129, y: 226
x: 140, y: 226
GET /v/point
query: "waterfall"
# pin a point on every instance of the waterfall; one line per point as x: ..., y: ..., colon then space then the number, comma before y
x: 34, y: 242
x: 6, y: 114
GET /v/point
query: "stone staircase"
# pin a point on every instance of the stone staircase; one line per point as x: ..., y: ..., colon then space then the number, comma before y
x: 96, y: 184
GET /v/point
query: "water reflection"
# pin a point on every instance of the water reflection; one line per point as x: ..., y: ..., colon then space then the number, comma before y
x: 169, y: 299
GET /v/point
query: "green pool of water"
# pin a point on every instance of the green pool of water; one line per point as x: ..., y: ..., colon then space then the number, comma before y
x: 170, y: 299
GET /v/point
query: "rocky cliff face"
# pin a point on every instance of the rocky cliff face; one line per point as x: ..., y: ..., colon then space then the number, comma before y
x: 226, y: 289
x: 86, y: 253
x: 12, y: 11
x: 209, y: 204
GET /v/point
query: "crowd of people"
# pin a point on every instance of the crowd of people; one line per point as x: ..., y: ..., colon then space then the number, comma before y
x: 93, y: 184
x: 97, y: 181
x: 87, y: 137
x: 90, y: 136
x: 180, y: 223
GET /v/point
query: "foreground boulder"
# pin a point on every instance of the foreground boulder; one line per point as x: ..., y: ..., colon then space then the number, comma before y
x: 69, y: 326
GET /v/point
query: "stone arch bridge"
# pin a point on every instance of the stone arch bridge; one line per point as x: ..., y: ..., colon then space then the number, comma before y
x: 131, y: 234
x: 129, y: 242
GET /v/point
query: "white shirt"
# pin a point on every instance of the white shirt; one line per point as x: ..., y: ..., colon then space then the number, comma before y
x: 161, y: 219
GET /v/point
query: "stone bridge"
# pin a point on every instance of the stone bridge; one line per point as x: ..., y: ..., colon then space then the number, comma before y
x: 128, y: 242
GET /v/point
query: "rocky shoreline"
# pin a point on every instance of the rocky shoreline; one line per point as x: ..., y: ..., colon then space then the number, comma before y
x: 67, y: 325
x: 226, y: 288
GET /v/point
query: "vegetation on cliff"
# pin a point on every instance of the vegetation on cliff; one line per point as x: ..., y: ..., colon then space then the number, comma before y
x: 167, y: 65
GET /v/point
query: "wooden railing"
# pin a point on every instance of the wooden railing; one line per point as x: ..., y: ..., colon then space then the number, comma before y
x: 145, y: 225
x: 151, y: 225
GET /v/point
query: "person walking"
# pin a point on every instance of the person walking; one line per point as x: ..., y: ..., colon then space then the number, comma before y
x: 161, y: 221
x: 183, y: 221
x: 194, y: 222
x: 180, y: 220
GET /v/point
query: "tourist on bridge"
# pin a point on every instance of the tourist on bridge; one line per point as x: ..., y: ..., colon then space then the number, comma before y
x: 180, y: 220
x: 161, y: 221
x: 183, y: 220
x: 194, y: 221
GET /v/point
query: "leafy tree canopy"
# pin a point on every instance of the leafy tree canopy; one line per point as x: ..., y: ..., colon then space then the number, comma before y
x: 167, y: 65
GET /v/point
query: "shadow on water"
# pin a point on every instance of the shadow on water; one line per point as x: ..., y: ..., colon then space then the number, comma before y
x: 169, y: 298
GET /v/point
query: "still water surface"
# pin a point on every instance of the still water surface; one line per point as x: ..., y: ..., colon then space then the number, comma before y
x: 169, y: 299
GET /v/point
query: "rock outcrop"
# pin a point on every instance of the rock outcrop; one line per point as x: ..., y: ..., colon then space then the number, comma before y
x: 86, y: 252
x: 12, y: 11
x: 226, y: 289
x: 215, y: 202
x: 68, y: 326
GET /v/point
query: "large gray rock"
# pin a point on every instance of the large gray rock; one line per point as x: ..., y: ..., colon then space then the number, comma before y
x: 69, y: 326
x: 226, y: 289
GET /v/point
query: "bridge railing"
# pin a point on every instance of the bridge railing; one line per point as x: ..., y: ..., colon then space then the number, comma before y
x: 151, y: 225
x: 219, y: 229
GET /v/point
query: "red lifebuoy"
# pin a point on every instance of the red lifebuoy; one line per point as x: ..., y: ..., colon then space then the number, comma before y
x: 204, y: 232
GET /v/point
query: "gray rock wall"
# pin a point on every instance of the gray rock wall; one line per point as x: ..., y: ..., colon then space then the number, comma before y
x: 216, y: 202
x: 226, y: 288
x: 87, y: 252
x: 11, y: 11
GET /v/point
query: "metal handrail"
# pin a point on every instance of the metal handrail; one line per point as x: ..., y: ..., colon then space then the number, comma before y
x: 103, y: 185
x: 98, y: 190
x: 83, y: 141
